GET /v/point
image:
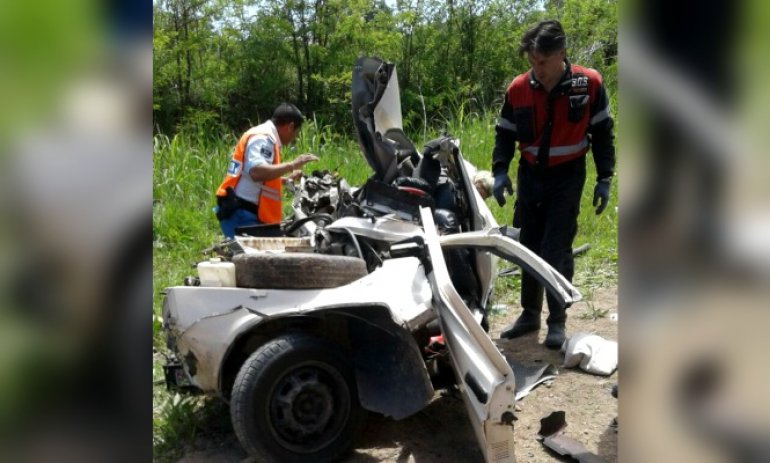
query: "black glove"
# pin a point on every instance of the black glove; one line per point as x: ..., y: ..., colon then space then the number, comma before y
x: 502, y: 184
x: 601, y: 194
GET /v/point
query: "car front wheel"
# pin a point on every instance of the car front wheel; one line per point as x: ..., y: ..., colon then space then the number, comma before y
x: 295, y: 400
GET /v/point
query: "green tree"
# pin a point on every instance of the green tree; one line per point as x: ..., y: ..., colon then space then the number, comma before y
x: 228, y: 63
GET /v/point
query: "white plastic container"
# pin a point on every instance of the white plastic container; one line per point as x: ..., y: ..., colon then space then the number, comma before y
x: 214, y: 272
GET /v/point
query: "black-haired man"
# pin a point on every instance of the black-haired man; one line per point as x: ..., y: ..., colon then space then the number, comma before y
x: 556, y: 111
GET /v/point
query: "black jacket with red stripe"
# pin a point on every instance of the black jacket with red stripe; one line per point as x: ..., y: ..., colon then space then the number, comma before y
x: 579, y: 109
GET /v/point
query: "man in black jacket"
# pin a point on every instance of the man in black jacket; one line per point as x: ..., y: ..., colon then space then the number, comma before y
x: 556, y: 112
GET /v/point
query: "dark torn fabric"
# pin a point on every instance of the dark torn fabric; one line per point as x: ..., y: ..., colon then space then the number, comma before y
x: 552, y: 436
x: 527, y: 377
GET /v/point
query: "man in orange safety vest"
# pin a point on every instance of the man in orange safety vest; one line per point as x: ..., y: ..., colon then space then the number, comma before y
x: 255, y: 198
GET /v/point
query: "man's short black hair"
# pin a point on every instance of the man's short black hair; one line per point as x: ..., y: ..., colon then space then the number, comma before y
x: 545, y: 37
x: 286, y: 113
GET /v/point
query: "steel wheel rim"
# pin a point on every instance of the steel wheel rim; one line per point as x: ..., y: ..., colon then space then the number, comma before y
x: 308, y: 407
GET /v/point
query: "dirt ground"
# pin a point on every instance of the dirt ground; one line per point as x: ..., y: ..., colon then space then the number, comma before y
x: 441, y: 432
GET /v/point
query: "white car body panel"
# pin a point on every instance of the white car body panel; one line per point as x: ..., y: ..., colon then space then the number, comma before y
x: 207, y: 320
x: 387, y: 113
x: 513, y: 250
x: 385, y: 228
x: 475, y: 359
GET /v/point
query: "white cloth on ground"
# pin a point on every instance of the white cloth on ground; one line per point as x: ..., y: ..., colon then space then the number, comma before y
x: 591, y: 352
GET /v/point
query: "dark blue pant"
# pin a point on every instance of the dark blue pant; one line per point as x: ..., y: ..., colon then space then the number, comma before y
x: 547, y: 208
x: 240, y: 218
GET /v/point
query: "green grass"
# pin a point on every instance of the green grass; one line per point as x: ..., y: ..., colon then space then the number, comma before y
x: 188, y: 168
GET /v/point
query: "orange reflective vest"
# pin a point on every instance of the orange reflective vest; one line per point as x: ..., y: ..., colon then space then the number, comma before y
x: 269, y: 206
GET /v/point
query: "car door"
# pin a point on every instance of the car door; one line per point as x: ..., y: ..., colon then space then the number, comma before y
x: 485, y: 378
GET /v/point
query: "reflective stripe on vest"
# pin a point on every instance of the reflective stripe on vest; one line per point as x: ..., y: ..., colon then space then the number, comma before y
x: 269, y: 210
x: 564, y: 150
x: 268, y: 192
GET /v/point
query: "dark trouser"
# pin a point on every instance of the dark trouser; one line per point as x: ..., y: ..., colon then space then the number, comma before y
x: 547, y: 208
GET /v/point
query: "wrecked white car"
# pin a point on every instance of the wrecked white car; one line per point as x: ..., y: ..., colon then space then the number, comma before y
x: 306, y: 343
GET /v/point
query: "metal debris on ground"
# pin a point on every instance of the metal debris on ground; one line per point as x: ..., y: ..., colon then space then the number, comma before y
x: 551, y: 435
x: 527, y: 377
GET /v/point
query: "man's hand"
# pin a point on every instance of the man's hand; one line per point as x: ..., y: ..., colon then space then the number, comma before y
x: 601, y: 194
x: 502, y: 184
x: 303, y: 159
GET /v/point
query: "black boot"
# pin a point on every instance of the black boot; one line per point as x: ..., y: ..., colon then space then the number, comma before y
x: 526, y: 323
x: 555, y: 337
x: 556, y: 321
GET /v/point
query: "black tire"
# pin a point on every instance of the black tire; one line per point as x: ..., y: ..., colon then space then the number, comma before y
x: 296, y: 270
x: 295, y: 400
